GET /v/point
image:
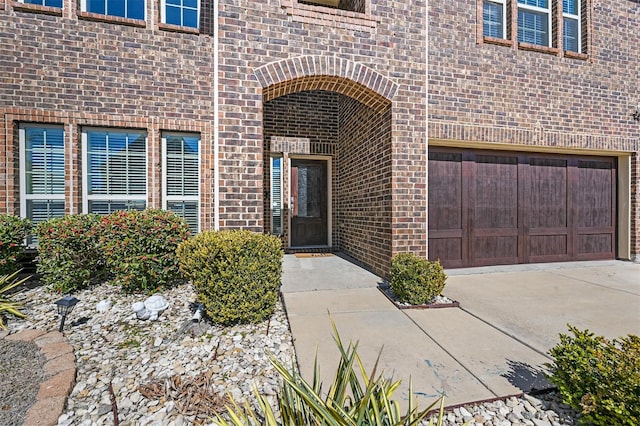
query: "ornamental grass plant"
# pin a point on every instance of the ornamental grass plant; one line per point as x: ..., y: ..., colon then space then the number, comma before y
x: 7, y: 306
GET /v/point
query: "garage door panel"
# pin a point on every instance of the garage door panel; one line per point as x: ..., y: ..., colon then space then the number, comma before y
x: 520, y: 207
x: 495, y: 192
x: 594, y: 246
x: 447, y: 208
x: 449, y: 251
x: 445, y: 190
x: 543, y: 248
x: 546, y: 192
x: 595, y: 198
x: 495, y: 250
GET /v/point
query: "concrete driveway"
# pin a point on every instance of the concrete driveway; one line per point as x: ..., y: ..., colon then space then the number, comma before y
x: 534, y: 303
x: 494, y: 346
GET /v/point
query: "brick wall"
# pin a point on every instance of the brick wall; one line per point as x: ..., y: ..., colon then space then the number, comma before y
x: 77, y: 69
x: 483, y: 92
x: 61, y: 68
x: 364, y: 197
x: 271, y: 49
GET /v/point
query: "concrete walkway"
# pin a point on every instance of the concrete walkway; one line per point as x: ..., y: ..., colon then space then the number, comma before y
x: 493, y: 346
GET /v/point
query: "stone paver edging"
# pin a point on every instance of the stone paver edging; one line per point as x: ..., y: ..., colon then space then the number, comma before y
x: 60, y: 370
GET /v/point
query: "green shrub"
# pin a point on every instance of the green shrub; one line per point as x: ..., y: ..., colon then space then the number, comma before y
x: 140, y: 248
x: 355, y: 397
x: 69, y: 254
x: 13, y: 231
x: 415, y: 280
x: 235, y: 273
x: 7, y: 306
x: 601, y: 378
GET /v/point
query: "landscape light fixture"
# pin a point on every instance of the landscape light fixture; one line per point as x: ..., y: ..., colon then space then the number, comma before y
x: 65, y: 306
x: 636, y: 115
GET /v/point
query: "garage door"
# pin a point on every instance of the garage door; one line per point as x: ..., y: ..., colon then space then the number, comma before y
x: 493, y: 207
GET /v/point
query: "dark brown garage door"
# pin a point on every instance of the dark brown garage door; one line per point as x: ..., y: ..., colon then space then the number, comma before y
x: 493, y: 207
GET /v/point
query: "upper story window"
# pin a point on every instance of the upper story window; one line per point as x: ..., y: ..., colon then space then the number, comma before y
x: 42, y: 172
x: 132, y: 9
x: 48, y: 3
x: 572, y: 23
x: 181, y: 177
x: 185, y: 13
x: 534, y: 22
x: 539, y: 23
x: 494, y: 18
x: 114, y: 170
x: 350, y: 5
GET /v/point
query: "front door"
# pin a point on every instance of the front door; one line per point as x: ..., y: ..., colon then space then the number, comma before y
x: 308, y: 203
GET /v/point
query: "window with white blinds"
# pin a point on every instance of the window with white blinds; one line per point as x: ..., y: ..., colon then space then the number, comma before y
x: 493, y: 18
x: 534, y: 22
x: 571, y: 25
x: 276, y: 195
x: 181, y: 176
x: 114, y: 170
x: 41, y: 173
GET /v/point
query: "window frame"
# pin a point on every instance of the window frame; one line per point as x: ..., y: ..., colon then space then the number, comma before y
x: 84, y: 9
x: 272, y: 196
x: 503, y: 4
x: 43, y: 4
x: 177, y: 198
x: 574, y: 17
x: 86, y: 197
x: 22, y: 154
x: 537, y: 10
x: 163, y: 14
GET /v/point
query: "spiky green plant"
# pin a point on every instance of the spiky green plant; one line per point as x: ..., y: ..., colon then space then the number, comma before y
x: 354, y: 398
x: 7, y: 306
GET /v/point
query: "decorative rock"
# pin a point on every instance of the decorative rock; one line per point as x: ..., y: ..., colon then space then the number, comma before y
x: 145, y: 352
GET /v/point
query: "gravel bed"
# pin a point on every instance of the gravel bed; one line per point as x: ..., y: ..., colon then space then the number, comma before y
x: 20, y: 368
x: 115, y: 350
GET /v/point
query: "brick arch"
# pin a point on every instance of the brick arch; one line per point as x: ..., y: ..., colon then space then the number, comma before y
x: 326, y: 73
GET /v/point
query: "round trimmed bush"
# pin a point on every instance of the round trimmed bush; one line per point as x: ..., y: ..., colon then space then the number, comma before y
x: 415, y: 280
x: 235, y: 273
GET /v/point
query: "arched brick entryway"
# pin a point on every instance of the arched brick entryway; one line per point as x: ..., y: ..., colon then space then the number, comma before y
x: 334, y: 114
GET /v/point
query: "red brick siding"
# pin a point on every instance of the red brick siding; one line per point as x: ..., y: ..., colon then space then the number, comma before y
x: 481, y: 92
x: 364, y: 197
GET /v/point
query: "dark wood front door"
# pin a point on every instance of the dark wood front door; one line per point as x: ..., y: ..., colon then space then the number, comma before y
x: 492, y: 207
x: 308, y: 203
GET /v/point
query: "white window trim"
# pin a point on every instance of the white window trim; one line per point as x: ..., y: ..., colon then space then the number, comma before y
x: 577, y: 18
x: 85, y: 172
x: 272, y: 199
x: 167, y: 198
x: 24, y: 197
x: 55, y: 7
x: 504, y: 16
x: 546, y: 11
x: 83, y: 8
x: 163, y: 14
